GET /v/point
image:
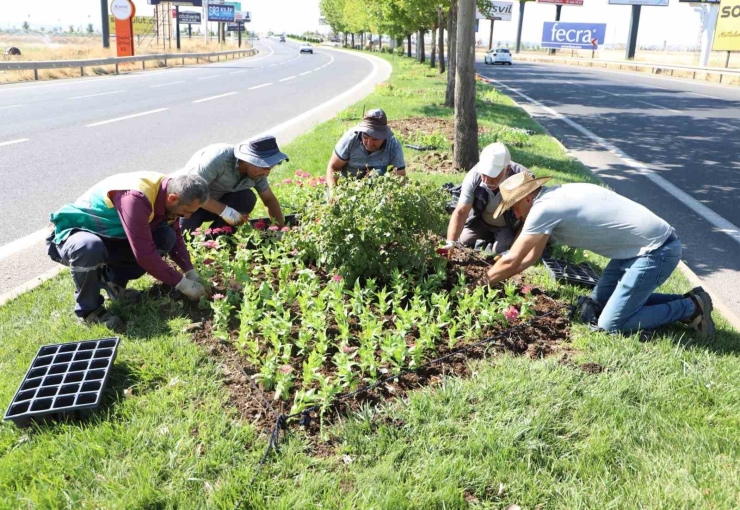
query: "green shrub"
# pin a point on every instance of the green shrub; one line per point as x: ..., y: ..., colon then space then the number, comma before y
x: 372, y: 226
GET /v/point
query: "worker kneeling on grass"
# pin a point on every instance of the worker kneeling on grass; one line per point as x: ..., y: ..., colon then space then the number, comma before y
x: 472, y: 222
x: 370, y: 148
x: 643, y: 248
x: 231, y: 172
x: 119, y: 230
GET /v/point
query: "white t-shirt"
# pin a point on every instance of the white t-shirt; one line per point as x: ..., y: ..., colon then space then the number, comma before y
x: 596, y: 219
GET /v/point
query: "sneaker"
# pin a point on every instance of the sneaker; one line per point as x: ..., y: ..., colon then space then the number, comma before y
x: 703, y: 323
x: 104, y: 317
x: 118, y: 293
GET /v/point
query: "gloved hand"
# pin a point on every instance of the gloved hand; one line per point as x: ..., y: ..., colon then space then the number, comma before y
x: 193, y: 290
x: 232, y: 216
x: 450, y: 245
x: 193, y: 276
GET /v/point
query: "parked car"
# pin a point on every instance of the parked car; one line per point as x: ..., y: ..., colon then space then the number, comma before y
x: 498, y: 56
x: 282, y: 38
x: 305, y: 48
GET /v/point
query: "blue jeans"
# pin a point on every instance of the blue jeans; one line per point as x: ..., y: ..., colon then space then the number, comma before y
x: 626, y: 290
x: 91, y: 258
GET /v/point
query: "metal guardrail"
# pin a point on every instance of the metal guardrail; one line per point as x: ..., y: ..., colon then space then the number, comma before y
x: 82, y: 64
x: 655, y: 67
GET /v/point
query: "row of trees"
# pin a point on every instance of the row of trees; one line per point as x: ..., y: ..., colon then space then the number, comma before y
x: 400, y: 19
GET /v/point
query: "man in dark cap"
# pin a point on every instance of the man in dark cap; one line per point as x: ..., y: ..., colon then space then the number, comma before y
x: 368, y: 147
x: 231, y: 172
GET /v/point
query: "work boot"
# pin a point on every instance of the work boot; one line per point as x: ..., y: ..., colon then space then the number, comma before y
x: 118, y: 293
x: 104, y: 317
x: 701, y: 321
x: 694, y: 291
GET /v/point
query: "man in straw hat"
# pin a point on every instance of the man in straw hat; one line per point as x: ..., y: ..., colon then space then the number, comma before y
x: 368, y: 147
x: 643, y: 248
x: 472, y: 222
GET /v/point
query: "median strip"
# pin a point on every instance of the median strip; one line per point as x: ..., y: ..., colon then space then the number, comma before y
x: 126, y: 117
x: 13, y: 142
x: 214, y: 97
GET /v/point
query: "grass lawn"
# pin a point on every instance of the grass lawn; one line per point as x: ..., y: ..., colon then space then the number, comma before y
x: 654, y: 425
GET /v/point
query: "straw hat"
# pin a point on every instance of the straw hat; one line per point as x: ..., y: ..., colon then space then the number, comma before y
x: 515, y: 188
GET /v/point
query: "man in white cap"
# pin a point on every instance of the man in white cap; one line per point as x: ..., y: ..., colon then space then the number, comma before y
x: 472, y: 222
x: 643, y: 248
x: 231, y: 172
x: 368, y: 147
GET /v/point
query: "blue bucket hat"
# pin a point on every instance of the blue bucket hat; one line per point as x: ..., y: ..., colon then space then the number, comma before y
x: 262, y: 152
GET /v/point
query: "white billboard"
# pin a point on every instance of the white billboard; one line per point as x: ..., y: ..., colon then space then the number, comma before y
x: 498, y: 11
x: 654, y: 3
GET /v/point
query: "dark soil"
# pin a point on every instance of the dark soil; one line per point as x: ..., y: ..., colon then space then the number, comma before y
x: 536, y: 339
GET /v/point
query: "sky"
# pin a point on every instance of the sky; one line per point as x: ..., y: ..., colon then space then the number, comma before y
x: 676, y: 25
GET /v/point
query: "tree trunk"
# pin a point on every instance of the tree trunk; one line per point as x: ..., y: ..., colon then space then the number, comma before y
x: 380, y: 42
x: 433, y: 62
x: 408, y: 39
x: 451, y: 54
x: 490, y: 36
x: 466, y: 121
x: 353, y: 41
x: 441, y: 23
x: 420, y: 44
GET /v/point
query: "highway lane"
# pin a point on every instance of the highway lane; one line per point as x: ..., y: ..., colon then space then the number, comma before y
x: 75, y: 132
x: 670, y: 144
x: 72, y: 143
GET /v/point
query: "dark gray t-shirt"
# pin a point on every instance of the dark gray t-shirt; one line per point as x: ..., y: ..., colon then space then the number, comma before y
x: 220, y: 168
x: 597, y: 219
x: 350, y: 149
x: 467, y: 195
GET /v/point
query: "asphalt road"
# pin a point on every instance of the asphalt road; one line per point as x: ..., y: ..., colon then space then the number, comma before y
x: 672, y: 145
x: 59, y: 138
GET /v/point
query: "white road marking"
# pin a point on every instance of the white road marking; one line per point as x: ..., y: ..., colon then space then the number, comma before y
x: 215, y: 97
x: 260, y: 86
x: 209, y: 77
x: 304, y: 74
x: 272, y: 65
x: 316, y: 68
x: 2, y: 144
x: 11, y: 106
x: 288, y: 78
x: 240, y: 72
x: 702, y: 95
x: 100, y: 94
x: 165, y: 84
x: 21, y: 244
x: 730, y: 126
x: 127, y: 117
x: 705, y: 212
x: 607, y: 92
x: 657, y: 106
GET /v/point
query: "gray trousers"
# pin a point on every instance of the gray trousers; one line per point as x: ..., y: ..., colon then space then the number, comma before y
x: 92, y: 258
x: 242, y: 201
x: 479, y: 234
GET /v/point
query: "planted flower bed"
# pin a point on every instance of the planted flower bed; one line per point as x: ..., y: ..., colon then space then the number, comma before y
x: 354, y: 294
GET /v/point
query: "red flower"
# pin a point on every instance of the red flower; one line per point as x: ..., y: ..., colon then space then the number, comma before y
x: 443, y: 251
x: 227, y: 230
x: 511, y: 313
x: 260, y: 225
x: 207, y: 262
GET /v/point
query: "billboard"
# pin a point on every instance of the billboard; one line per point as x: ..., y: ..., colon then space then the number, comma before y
x: 561, y: 2
x: 654, y: 3
x: 235, y: 27
x: 584, y: 36
x: 190, y: 3
x: 498, y: 11
x: 221, y: 13
x: 245, y: 16
x: 142, y: 24
x: 727, y: 33
x: 188, y: 17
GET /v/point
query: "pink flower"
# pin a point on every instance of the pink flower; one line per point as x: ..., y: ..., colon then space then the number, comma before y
x: 287, y: 181
x: 216, y: 231
x: 210, y: 244
x: 286, y: 369
x: 260, y: 225
x: 322, y: 180
x: 274, y: 228
x: 285, y: 229
x: 526, y: 290
x: 218, y: 297
x: 207, y: 262
x: 347, y: 349
x: 336, y: 278
x: 511, y: 313
x: 227, y: 230
x: 208, y: 231
x: 197, y: 232
x: 294, y: 252
x: 306, y: 174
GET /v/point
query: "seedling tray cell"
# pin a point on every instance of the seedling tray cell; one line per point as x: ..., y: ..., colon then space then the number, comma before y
x: 576, y: 274
x: 63, y: 381
x: 290, y: 220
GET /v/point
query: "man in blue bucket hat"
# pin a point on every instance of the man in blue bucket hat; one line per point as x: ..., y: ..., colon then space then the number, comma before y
x: 231, y: 172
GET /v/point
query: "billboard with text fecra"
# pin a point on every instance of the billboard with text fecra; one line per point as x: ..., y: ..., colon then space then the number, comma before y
x: 585, y: 36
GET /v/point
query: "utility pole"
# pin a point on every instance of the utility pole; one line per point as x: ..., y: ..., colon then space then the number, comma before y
x: 104, y: 19
x: 634, y: 26
x: 558, y: 10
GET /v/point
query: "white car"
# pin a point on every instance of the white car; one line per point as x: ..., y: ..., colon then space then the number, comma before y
x: 305, y: 48
x: 498, y: 56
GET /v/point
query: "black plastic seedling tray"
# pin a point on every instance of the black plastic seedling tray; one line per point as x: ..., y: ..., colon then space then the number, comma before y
x: 565, y: 270
x: 290, y: 219
x: 64, y: 381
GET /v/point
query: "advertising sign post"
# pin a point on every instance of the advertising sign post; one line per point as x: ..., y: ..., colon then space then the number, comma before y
x: 583, y: 36
x: 123, y: 11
